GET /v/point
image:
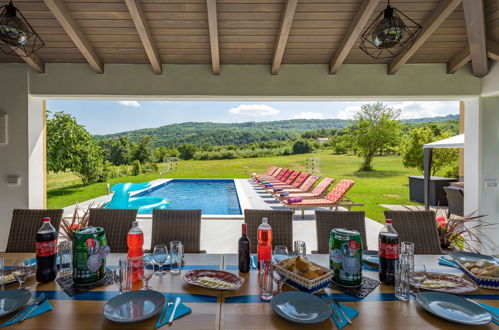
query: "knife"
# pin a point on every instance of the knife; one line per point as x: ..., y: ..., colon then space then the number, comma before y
x: 165, y: 310
x: 37, y: 304
x: 177, y: 302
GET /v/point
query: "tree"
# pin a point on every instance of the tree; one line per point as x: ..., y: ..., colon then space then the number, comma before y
x: 302, y: 147
x: 376, y: 127
x: 144, y: 151
x: 187, y: 151
x: 71, y: 147
x: 117, y: 151
x: 413, y: 154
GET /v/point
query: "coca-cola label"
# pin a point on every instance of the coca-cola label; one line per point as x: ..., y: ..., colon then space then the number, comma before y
x: 388, y: 251
x: 45, y: 249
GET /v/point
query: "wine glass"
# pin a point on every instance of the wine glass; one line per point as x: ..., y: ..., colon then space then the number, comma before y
x: 21, y: 270
x: 147, y: 274
x: 160, y: 255
x: 280, y: 253
x: 418, y: 276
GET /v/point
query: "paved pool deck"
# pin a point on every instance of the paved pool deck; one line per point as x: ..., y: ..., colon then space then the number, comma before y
x: 219, y: 234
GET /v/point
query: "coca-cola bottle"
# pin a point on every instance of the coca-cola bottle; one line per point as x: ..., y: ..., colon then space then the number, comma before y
x: 388, y: 251
x: 264, y: 248
x: 46, y: 252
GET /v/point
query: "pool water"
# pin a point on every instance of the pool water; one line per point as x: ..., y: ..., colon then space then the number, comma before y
x: 211, y: 196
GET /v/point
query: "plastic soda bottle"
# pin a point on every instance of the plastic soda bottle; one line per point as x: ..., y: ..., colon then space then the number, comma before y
x: 264, y: 249
x: 46, y: 252
x: 135, y: 241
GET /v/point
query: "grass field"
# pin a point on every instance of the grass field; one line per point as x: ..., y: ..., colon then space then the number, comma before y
x: 387, y: 184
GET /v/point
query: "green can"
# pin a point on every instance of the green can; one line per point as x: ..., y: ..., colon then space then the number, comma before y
x: 89, y: 262
x: 345, y: 256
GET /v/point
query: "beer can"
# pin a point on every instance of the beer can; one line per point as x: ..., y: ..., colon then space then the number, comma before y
x: 88, y: 265
x: 345, y: 256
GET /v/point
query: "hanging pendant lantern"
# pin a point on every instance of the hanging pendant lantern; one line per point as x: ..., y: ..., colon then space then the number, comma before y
x: 16, y: 34
x: 389, y: 34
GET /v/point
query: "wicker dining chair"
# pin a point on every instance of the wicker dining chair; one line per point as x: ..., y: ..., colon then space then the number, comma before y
x: 328, y: 220
x: 116, y: 223
x: 418, y: 227
x: 455, y: 200
x: 177, y: 225
x: 25, y: 224
x: 280, y: 221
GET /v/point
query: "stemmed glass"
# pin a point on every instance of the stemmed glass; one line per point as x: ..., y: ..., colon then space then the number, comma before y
x: 418, y: 276
x: 21, y: 270
x: 160, y: 255
x: 147, y: 274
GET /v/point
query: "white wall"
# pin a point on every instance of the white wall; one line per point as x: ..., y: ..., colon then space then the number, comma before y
x: 13, y: 155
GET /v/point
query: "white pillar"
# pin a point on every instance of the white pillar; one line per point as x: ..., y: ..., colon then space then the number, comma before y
x: 36, y: 150
x: 472, y: 155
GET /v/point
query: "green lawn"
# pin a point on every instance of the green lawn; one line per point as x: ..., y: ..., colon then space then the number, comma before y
x: 387, y: 184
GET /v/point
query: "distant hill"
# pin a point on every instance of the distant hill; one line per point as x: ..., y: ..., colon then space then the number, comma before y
x: 241, y: 133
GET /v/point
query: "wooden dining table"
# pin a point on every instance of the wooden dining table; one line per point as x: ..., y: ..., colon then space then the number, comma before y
x: 236, y: 309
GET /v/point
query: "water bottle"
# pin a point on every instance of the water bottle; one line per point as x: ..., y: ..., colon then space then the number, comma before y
x: 264, y: 248
x: 135, y: 242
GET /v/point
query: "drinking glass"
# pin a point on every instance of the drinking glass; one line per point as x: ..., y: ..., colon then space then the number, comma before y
x: 65, y: 256
x: 148, y: 272
x: 123, y: 276
x: 300, y: 248
x: 2, y: 274
x: 176, y: 252
x: 266, y: 280
x: 22, y: 269
x: 418, y: 276
x: 280, y: 252
x: 160, y: 255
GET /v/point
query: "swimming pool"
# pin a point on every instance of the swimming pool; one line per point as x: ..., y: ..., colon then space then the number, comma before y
x: 213, y: 196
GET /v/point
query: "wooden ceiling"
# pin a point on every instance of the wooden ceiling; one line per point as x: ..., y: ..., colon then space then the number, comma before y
x: 272, y: 32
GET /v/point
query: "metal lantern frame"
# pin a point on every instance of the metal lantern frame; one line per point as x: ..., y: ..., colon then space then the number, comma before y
x: 409, y: 28
x: 10, y: 45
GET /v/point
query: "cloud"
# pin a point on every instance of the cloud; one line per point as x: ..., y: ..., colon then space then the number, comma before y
x: 254, y: 110
x: 134, y: 104
x: 424, y: 109
x: 349, y: 112
x: 308, y: 115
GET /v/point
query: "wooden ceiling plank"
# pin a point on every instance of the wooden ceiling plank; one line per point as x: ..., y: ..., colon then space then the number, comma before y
x: 213, y: 28
x: 140, y: 22
x: 459, y: 60
x: 430, y: 24
x: 493, y: 50
x: 33, y: 61
x: 283, y: 34
x: 355, y: 29
x: 62, y: 14
x: 475, y: 28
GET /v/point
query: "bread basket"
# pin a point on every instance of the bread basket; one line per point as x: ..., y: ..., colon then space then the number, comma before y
x: 481, y: 281
x: 302, y: 284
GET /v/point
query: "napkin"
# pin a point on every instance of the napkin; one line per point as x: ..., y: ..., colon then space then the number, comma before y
x: 181, y: 311
x: 254, y: 262
x: 493, y: 310
x: 447, y: 262
x: 368, y: 267
x: 350, y: 312
x: 44, y: 307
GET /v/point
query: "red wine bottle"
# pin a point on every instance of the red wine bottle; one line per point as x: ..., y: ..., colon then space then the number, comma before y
x: 244, y: 251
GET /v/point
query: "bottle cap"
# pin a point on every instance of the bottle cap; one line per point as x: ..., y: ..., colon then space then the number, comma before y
x: 265, y: 220
x: 135, y: 224
x: 388, y: 221
x: 46, y: 219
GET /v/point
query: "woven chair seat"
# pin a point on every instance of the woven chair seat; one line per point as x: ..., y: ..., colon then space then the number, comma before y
x: 116, y: 223
x: 328, y: 220
x: 280, y: 221
x: 177, y: 225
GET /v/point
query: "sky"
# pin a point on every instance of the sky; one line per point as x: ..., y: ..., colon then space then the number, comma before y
x: 106, y: 117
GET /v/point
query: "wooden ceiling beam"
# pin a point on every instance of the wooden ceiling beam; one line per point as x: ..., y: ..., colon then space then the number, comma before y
x: 430, y: 24
x: 145, y: 36
x: 282, y: 36
x: 33, y: 61
x: 475, y: 28
x: 493, y: 50
x: 64, y: 17
x: 213, y: 28
x: 354, y: 31
x: 459, y: 60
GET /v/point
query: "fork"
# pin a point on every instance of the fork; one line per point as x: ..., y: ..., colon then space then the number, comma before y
x: 168, y: 304
x: 341, y: 309
x: 20, y: 313
x: 336, y: 315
